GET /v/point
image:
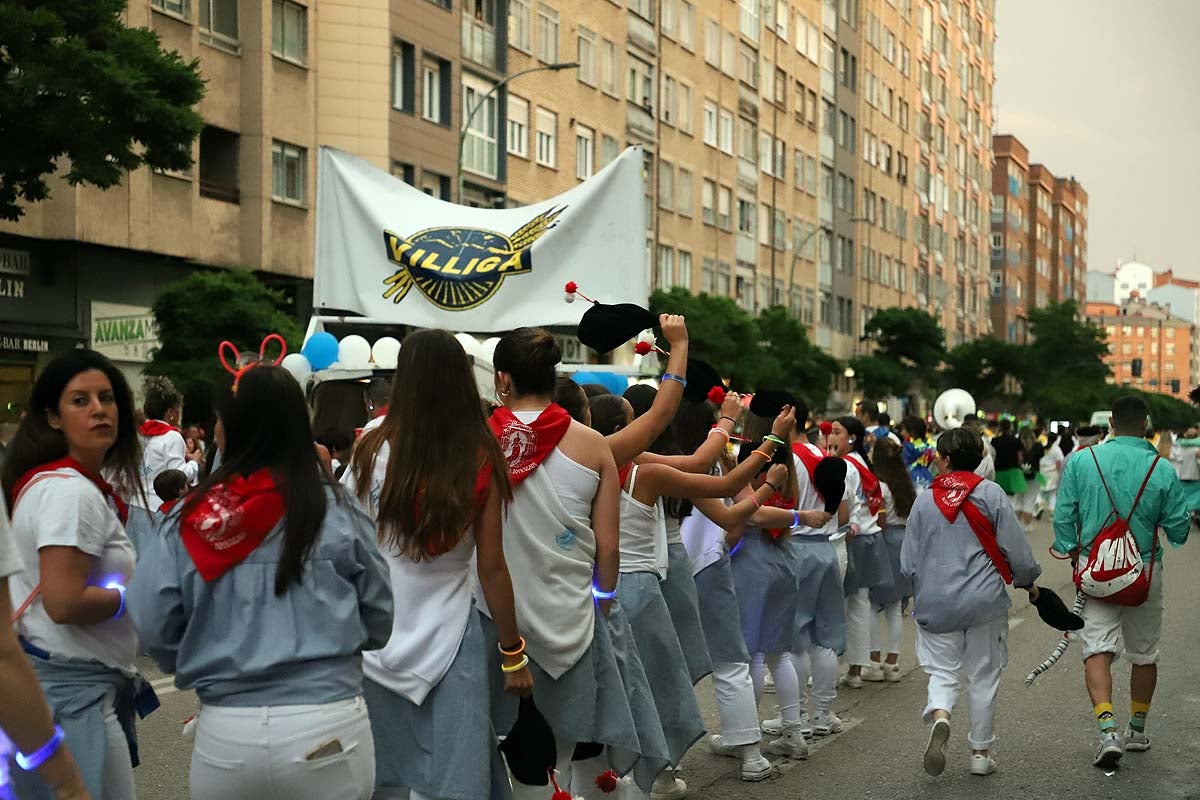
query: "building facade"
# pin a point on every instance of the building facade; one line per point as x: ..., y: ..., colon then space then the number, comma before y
x: 1149, y: 348
x: 1038, y: 240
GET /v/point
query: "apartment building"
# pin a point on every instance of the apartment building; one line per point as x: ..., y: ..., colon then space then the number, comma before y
x: 84, y: 266
x: 1038, y: 239
x: 1149, y: 348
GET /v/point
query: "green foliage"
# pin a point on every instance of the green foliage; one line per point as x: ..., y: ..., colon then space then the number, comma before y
x: 75, y: 83
x: 772, y: 351
x: 881, y: 375
x: 981, y: 366
x: 909, y: 347
x: 1064, y: 372
x: 196, y: 314
x: 1166, y: 413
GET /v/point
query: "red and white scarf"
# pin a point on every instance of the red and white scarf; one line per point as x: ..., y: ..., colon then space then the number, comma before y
x: 32, y: 476
x: 951, y: 494
x: 230, y: 521
x: 156, y: 427
x: 526, y: 446
x: 870, y: 484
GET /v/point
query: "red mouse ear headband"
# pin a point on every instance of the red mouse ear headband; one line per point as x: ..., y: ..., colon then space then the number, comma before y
x: 239, y: 369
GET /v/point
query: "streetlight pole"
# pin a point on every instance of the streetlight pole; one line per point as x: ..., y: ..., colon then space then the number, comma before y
x: 796, y: 255
x: 470, y: 113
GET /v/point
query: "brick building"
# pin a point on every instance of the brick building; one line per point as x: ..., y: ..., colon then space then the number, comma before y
x: 1148, y: 347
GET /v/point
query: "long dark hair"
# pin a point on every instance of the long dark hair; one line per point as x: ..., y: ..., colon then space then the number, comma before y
x: 438, y: 438
x: 889, y: 468
x: 856, y: 429
x: 267, y: 427
x: 641, y: 397
x: 36, y: 443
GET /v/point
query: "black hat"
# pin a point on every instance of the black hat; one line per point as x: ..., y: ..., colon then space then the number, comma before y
x: 606, y: 327
x: 829, y: 478
x: 1054, y: 612
x: 529, y: 747
x: 769, y: 402
x: 701, y: 378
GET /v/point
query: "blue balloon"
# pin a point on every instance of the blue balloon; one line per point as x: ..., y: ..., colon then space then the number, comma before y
x: 617, y: 384
x: 321, y: 350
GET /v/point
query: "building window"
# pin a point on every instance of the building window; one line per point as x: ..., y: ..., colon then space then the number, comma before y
x: 610, y: 67
x: 712, y: 42
x: 219, y: 22
x: 289, y: 30
x: 518, y: 126
x: 435, y: 185
x: 479, y: 143
x: 683, y: 192
x: 687, y: 38
x: 666, y: 267
x: 643, y: 8
x: 666, y: 104
x: 179, y: 7
x: 710, y: 123
x: 547, y: 34
x: 404, y: 79
x: 405, y: 172
x: 610, y: 148
x: 725, y: 132
x: 435, y: 95
x: 219, y: 164
x: 586, y: 44
x: 666, y: 184
x: 547, y: 138
x: 708, y: 192
x: 684, y: 276
x: 520, y: 16
x: 585, y: 148
x: 641, y: 84
x: 724, y: 211
x: 287, y: 172
x: 684, y: 118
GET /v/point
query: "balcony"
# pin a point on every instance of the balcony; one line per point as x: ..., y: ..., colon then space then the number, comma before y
x: 640, y: 120
x: 642, y: 34
x: 747, y: 173
x: 479, y: 43
x: 827, y: 147
x: 747, y: 250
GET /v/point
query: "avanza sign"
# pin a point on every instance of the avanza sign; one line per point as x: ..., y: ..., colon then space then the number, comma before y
x: 124, y: 333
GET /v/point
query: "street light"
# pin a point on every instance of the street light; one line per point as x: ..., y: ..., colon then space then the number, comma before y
x: 801, y: 246
x: 849, y: 373
x: 462, y: 134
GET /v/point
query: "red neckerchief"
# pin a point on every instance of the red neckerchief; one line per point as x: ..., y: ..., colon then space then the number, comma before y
x: 230, y: 521
x: 382, y: 412
x: 951, y: 494
x: 104, y: 486
x: 870, y: 484
x: 155, y: 427
x: 623, y: 474
x: 524, y: 446
x: 809, y: 458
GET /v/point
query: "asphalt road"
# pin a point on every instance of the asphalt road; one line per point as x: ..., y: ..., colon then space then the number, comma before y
x: 1047, y: 736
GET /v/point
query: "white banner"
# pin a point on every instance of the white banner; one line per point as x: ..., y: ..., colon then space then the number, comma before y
x: 392, y: 253
x: 124, y: 333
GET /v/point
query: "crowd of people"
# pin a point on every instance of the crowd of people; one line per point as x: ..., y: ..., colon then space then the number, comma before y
x: 368, y: 616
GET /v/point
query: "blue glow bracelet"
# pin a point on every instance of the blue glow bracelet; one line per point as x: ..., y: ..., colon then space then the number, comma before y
x: 667, y: 376
x: 121, y: 591
x: 600, y: 594
x: 795, y: 518
x: 42, y: 754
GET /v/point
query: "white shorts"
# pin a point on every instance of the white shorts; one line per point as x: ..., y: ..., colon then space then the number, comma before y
x: 1107, y: 626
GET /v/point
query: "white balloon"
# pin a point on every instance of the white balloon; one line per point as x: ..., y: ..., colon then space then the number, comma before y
x: 469, y: 343
x: 385, y: 352
x: 354, y: 352
x: 298, y: 365
x: 488, y: 348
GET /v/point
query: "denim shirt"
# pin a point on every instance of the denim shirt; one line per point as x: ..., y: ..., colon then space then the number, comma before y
x: 238, y: 644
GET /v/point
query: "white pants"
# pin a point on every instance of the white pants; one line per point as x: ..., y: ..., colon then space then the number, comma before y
x: 858, y: 628
x: 736, y: 704
x: 1050, y: 498
x: 821, y: 664
x: 893, y: 618
x: 787, y: 687
x: 264, y: 751
x: 980, y: 651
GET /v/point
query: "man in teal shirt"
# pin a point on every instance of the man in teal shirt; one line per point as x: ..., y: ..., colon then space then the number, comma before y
x: 1083, y: 509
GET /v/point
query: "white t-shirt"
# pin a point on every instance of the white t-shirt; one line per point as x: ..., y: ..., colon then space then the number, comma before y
x: 63, y: 508
x: 159, y: 454
x: 810, y: 498
x: 889, y: 503
x: 860, y: 511
x: 10, y: 562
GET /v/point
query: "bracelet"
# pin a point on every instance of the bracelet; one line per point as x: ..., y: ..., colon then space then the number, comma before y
x: 121, y: 591
x: 721, y: 431
x: 795, y: 518
x: 600, y: 594
x: 731, y: 419
x: 513, y: 652
x: 773, y: 486
x: 520, y: 665
x: 757, y: 502
x: 770, y: 437
x: 667, y: 376
x: 766, y: 456
x: 42, y: 754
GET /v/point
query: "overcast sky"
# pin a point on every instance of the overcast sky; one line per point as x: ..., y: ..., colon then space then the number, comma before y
x: 1109, y: 91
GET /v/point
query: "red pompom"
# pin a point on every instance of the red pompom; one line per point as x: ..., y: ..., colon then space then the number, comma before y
x: 571, y: 287
x: 716, y: 395
x: 607, y: 781
x: 826, y: 428
x: 559, y: 794
x: 642, y: 348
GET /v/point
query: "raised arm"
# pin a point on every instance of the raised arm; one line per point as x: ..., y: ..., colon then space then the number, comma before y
x: 629, y: 442
x: 706, y: 455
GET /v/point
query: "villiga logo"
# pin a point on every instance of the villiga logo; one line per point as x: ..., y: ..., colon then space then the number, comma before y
x: 460, y: 268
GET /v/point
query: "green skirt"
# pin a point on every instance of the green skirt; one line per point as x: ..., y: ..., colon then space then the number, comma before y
x: 1012, y: 481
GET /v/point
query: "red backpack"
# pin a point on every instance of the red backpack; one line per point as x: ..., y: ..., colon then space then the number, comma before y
x: 1114, y: 571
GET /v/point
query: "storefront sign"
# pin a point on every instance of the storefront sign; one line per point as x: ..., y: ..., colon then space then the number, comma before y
x: 14, y: 262
x: 24, y: 344
x: 124, y: 333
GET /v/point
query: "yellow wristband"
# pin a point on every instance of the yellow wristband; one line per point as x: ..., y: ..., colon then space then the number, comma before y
x: 520, y: 665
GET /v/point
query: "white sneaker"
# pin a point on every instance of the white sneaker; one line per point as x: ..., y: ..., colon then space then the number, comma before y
x: 982, y: 765
x: 892, y: 672
x: 806, y: 728
x: 758, y: 770
x: 716, y: 743
x: 1110, y: 752
x: 852, y: 681
x: 774, y: 726
x: 826, y: 723
x: 768, y: 682
x: 668, y: 787
x: 935, y: 750
x: 791, y: 744
x: 1136, y: 742
x: 876, y: 673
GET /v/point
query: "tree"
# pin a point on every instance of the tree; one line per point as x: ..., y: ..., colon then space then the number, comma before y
x: 982, y: 365
x: 1064, y: 370
x: 196, y: 314
x: 910, y: 345
x: 790, y: 361
x: 75, y: 83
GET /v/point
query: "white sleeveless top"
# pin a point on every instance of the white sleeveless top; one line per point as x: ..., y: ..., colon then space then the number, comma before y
x: 703, y: 539
x: 640, y: 534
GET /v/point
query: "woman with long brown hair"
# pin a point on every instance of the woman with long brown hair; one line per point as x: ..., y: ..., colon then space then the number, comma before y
x: 67, y: 524
x: 889, y: 600
x: 439, y: 512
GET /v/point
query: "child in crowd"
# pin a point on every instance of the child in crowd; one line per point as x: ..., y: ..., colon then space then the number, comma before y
x: 170, y: 485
